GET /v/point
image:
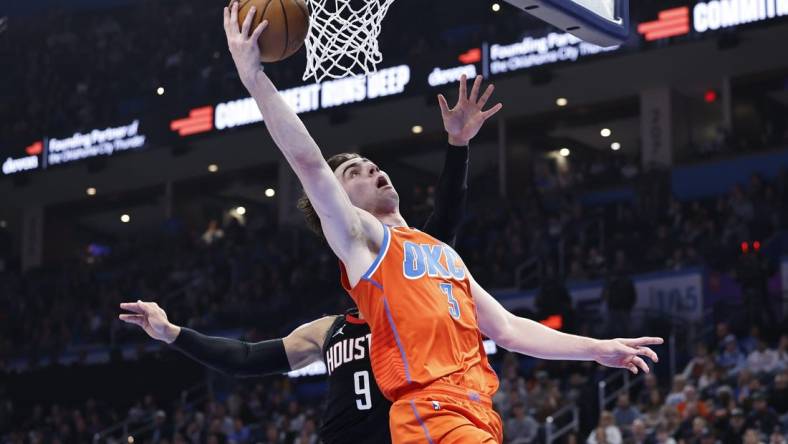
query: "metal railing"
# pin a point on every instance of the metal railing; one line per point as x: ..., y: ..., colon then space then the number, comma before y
x: 552, y: 433
x: 528, y: 273
x: 586, y: 232
x: 604, y: 398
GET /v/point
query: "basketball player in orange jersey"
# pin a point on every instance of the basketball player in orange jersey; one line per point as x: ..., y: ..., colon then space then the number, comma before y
x: 426, y: 312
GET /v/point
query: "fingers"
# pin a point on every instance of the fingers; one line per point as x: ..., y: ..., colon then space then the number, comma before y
x: 633, y: 368
x: 486, y: 96
x: 259, y: 30
x: 248, y: 21
x: 646, y: 340
x: 226, y: 19
x: 641, y: 364
x: 132, y: 319
x: 463, y: 90
x: 442, y: 103
x: 477, y: 84
x: 139, y: 307
x: 492, y: 111
x: 233, y: 25
x: 645, y: 351
x: 131, y: 306
x: 145, y: 307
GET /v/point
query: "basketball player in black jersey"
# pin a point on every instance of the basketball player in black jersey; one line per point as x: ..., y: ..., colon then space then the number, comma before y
x: 356, y: 411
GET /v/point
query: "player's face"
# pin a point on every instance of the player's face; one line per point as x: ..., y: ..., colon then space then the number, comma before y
x: 368, y: 187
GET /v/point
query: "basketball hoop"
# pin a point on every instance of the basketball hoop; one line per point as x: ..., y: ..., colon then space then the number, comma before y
x: 342, y: 40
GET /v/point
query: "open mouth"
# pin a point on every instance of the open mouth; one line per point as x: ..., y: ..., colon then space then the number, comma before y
x: 382, y: 182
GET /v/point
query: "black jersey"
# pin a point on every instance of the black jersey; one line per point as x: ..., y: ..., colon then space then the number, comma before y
x: 356, y: 411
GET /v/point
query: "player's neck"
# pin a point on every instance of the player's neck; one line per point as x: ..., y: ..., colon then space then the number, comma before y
x: 393, y: 219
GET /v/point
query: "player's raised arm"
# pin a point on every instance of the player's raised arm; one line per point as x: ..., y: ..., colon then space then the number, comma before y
x: 341, y: 221
x: 531, y: 338
x: 461, y: 122
x: 232, y: 356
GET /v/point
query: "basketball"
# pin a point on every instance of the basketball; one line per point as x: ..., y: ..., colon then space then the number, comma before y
x: 288, y: 22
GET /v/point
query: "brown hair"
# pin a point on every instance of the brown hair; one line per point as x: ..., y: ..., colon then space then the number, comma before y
x: 312, y: 219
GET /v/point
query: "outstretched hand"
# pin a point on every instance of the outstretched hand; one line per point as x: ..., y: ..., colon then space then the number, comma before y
x: 465, y: 120
x: 243, y: 46
x: 151, y: 318
x: 627, y: 353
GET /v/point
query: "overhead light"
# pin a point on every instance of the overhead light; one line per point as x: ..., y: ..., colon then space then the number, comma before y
x: 160, y: 90
x: 496, y: 7
x: 269, y: 192
x: 240, y: 211
x: 125, y: 218
x: 3, y: 224
x: 417, y: 129
x: 90, y: 191
x: 213, y: 168
x: 564, y: 152
x: 615, y: 146
x: 561, y: 101
x: 606, y: 132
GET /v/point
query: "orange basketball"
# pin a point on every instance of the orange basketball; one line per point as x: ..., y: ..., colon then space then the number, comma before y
x: 288, y: 22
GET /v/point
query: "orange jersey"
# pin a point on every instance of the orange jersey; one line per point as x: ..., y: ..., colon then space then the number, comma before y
x: 416, y: 298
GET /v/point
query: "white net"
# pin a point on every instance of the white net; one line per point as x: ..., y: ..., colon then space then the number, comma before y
x: 343, y: 37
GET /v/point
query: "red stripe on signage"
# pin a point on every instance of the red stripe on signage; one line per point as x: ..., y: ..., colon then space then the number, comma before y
x: 676, y: 12
x: 195, y: 129
x: 645, y: 28
x: 668, y: 32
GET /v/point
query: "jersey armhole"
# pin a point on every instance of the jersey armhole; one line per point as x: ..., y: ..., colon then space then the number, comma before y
x: 384, y: 248
x: 330, y: 333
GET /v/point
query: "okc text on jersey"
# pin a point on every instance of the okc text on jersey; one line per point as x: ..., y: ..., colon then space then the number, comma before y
x: 439, y: 261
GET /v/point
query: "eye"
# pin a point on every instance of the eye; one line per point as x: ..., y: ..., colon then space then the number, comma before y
x: 354, y: 173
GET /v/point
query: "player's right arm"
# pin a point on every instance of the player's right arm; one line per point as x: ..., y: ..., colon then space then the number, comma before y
x: 300, y: 348
x: 347, y: 229
x: 531, y: 338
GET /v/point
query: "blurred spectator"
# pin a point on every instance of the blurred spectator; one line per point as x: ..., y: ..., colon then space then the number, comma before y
x: 692, y: 400
x: 676, y: 395
x: 778, y: 397
x: 662, y: 436
x: 520, y: 428
x: 731, y: 359
x: 607, y: 432
x: 762, y: 417
x: 751, y: 436
x: 624, y: 413
x: 639, y: 433
x: 762, y: 359
x: 213, y: 233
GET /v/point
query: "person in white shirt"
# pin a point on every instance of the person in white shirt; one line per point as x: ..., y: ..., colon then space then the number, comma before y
x: 762, y: 359
x: 607, y: 432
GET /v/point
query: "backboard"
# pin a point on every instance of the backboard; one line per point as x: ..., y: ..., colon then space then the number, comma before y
x: 601, y: 22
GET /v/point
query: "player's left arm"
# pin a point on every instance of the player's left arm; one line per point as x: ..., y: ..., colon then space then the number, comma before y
x: 462, y: 123
x: 531, y: 338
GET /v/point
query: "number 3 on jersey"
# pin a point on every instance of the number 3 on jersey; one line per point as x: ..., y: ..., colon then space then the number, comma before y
x: 361, y: 384
x: 454, y: 305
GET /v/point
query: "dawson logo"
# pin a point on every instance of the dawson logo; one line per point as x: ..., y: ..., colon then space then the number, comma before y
x: 670, y: 23
x: 440, y: 76
x: 27, y: 163
x: 471, y: 56
x: 200, y: 120
x: 11, y: 166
